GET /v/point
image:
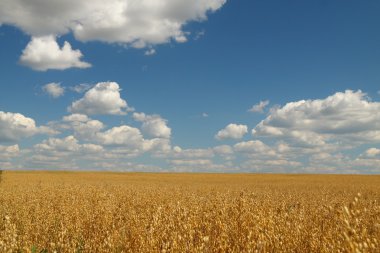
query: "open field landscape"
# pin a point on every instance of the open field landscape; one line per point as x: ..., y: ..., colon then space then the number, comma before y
x: 147, y: 212
x: 189, y: 126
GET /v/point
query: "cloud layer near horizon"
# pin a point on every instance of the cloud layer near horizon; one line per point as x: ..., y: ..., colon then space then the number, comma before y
x: 337, y: 134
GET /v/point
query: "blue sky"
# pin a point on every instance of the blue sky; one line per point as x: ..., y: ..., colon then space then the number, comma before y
x: 177, y: 85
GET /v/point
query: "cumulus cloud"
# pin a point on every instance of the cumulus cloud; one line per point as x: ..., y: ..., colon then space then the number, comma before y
x: 67, y: 144
x: 14, y: 126
x: 130, y: 140
x: 81, y: 126
x: 178, y: 152
x: 54, y: 90
x: 121, y: 141
x: 259, y: 107
x: 232, y: 131
x: 122, y: 135
x: 103, y: 98
x: 76, y: 117
x: 150, y: 52
x: 63, y: 153
x: 91, y: 148
x: 372, y: 152
x: 87, y: 130
x: 80, y: 88
x: 348, y: 117
x: 157, y: 146
x: 134, y: 23
x: 7, y: 152
x: 153, y: 125
x: 255, y: 146
x: 43, y: 53
x: 223, y: 150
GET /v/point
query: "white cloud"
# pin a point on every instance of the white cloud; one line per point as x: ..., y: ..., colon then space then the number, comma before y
x: 271, y: 165
x: 134, y: 23
x: 103, y: 98
x: 181, y: 38
x: 121, y: 141
x: 232, y: 131
x: 198, y: 162
x: 255, y: 146
x: 7, y: 152
x: 43, y: 53
x: 366, y: 165
x: 122, y: 135
x: 259, y: 107
x: 54, y: 90
x: 191, y: 153
x: 157, y: 146
x: 123, y: 166
x: 196, y: 165
x: 76, y: 117
x: 67, y: 144
x: 83, y: 127
x: 88, y: 130
x: 63, y: 153
x: 150, y: 52
x: 80, y: 88
x: 330, y: 160
x: 346, y: 118
x: 80, y: 126
x: 47, y: 130
x: 14, y: 126
x: 372, y: 152
x: 92, y: 148
x: 153, y: 125
x: 130, y: 139
x: 223, y: 150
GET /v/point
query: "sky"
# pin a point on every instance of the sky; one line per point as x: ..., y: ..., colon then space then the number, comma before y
x: 190, y: 86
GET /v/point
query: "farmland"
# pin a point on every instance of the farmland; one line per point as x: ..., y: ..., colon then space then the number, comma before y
x: 147, y: 212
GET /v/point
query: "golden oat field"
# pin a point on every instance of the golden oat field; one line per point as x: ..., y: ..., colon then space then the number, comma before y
x: 147, y: 212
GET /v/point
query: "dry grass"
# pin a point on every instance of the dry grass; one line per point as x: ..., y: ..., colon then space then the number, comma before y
x: 115, y: 212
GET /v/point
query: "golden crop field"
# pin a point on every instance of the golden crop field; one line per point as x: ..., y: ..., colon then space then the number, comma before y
x: 145, y: 212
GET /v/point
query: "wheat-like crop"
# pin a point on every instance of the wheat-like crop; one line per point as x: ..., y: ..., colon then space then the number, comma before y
x: 116, y: 212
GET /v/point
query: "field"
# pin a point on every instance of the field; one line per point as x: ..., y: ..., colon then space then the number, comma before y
x: 137, y: 212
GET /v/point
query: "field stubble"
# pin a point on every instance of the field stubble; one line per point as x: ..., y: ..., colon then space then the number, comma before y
x: 132, y: 212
